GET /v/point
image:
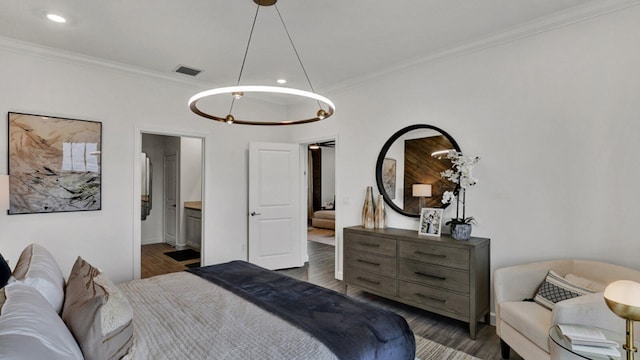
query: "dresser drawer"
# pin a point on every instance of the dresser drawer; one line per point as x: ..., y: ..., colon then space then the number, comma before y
x: 373, y: 244
x: 367, y: 280
x: 434, y: 254
x: 434, y: 275
x: 371, y: 262
x: 435, y: 298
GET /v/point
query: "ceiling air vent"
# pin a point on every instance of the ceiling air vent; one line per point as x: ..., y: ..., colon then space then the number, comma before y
x: 187, y: 70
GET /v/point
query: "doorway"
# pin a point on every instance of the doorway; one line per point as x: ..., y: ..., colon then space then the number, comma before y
x: 171, y: 224
x: 321, y: 199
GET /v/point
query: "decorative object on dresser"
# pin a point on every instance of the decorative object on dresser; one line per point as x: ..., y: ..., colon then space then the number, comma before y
x: 412, y: 147
x: 54, y: 164
x: 380, y: 214
x: 4, y: 192
x: 623, y: 298
x: 430, y: 222
x: 460, y: 174
x: 368, y: 215
x: 440, y: 275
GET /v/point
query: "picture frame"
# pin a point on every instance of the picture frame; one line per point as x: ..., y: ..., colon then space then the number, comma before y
x: 389, y: 177
x: 54, y: 164
x: 430, y: 222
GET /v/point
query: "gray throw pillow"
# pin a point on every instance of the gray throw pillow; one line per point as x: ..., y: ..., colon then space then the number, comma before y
x: 97, y: 313
x: 555, y: 288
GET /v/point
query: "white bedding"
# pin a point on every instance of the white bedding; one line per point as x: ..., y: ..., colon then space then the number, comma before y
x: 182, y: 316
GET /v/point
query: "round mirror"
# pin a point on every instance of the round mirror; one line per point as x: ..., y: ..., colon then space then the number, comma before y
x: 409, y: 165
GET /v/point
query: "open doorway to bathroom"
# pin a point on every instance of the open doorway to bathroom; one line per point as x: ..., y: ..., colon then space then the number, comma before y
x: 321, y: 209
x: 171, y: 203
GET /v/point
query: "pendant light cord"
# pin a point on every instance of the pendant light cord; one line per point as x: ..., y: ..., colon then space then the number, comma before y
x: 246, y: 52
x: 296, y: 52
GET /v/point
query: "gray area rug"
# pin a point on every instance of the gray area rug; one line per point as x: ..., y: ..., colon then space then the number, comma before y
x: 323, y: 236
x: 427, y: 349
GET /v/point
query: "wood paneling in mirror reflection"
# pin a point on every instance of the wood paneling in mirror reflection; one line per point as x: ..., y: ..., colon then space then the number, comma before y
x: 421, y: 168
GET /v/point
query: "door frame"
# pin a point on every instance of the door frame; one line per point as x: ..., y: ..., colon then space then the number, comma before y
x: 304, y: 161
x: 177, y: 235
x: 137, y: 226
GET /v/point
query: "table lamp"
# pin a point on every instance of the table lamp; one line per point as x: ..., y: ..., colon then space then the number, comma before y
x: 623, y: 298
x: 422, y: 191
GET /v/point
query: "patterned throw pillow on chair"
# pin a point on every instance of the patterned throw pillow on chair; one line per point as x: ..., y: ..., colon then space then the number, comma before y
x: 555, y: 288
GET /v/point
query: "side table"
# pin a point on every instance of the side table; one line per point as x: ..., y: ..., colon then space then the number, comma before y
x: 561, y: 348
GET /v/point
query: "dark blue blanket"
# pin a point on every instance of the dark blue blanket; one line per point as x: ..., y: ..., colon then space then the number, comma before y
x: 350, y: 328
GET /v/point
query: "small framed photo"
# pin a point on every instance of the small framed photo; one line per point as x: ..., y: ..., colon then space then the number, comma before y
x: 430, y: 221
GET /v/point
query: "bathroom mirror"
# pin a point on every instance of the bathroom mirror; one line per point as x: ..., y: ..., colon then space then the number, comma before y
x: 415, y: 155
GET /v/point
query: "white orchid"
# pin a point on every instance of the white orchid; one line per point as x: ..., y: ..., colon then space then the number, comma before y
x: 448, y: 197
x: 461, y: 174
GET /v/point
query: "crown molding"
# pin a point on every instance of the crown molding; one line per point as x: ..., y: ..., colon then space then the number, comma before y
x: 49, y: 53
x: 567, y: 17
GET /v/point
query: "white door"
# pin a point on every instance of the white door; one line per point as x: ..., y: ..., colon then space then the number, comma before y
x: 274, y: 200
x: 170, y: 199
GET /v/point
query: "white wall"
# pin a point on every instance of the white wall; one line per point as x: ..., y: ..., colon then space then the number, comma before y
x: 555, y: 118
x: 328, y: 172
x: 126, y: 103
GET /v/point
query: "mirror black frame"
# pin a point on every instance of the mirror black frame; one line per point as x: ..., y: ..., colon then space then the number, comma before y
x: 383, y: 153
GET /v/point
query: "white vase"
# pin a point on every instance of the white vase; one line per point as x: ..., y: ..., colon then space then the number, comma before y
x: 379, y: 218
x: 367, y: 209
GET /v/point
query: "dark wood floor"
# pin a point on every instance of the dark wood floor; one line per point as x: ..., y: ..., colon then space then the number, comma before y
x: 320, y: 271
x: 155, y: 262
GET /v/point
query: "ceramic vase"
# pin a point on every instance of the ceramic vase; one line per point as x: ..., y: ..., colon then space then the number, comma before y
x: 379, y: 217
x: 461, y: 231
x: 367, y: 210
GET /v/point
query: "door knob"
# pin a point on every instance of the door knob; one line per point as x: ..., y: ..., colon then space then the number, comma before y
x: 253, y: 213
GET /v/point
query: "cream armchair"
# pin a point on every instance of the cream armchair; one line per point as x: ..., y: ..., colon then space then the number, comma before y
x: 524, y: 325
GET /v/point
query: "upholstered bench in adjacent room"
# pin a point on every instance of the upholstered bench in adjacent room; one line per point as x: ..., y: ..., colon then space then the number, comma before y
x: 325, y: 219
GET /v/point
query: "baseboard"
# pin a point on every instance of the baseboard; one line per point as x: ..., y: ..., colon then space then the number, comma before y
x: 492, y: 318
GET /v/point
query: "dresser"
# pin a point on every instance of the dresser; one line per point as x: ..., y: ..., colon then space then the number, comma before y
x: 438, y: 274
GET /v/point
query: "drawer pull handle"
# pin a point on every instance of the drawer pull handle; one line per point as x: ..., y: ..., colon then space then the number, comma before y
x: 431, y: 298
x: 430, y: 276
x: 369, y: 244
x: 418, y: 252
x: 368, y: 262
x: 368, y: 280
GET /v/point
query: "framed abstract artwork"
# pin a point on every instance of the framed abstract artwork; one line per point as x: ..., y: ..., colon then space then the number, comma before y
x: 389, y: 176
x: 54, y: 164
x: 430, y: 221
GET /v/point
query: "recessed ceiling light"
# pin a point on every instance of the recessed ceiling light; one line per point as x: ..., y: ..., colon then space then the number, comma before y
x: 56, y: 18
x: 281, y: 81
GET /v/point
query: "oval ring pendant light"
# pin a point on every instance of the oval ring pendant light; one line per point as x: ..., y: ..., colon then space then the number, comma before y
x: 238, y: 91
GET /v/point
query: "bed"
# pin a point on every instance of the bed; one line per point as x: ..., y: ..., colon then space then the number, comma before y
x: 225, y: 311
x: 325, y: 219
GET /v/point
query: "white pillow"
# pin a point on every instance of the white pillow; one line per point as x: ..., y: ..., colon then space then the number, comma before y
x: 38, y: 269
x: 31, y: 329
x: 585, y: 283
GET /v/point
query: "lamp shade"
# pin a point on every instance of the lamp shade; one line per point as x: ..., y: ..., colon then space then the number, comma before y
x: 623, y: 298
x: 421, y: 190
x: 4, y: 192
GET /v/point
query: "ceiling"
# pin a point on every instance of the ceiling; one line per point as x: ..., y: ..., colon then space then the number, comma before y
x: 339, y: 41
